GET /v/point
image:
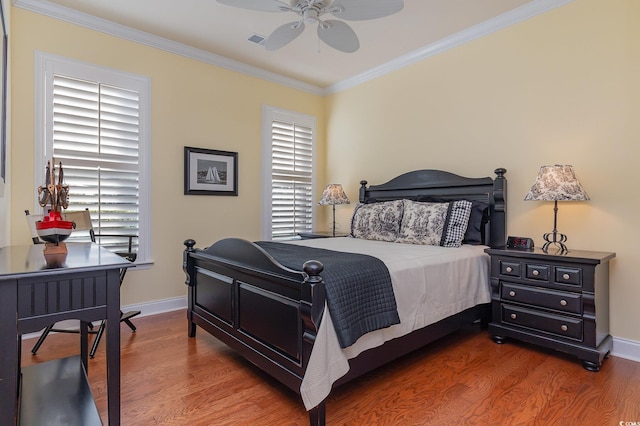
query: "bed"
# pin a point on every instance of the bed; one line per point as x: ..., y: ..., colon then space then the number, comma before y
x: 280, y: 317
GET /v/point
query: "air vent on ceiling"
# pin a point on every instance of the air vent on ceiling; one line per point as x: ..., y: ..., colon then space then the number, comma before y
x: 257, y: 39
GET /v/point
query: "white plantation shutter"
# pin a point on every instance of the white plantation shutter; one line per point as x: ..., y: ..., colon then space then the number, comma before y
x: 289, y: 152
x: 95, y: 121
x: 95, y: 135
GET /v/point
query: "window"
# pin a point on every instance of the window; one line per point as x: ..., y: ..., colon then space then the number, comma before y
x: 95, y: 121
x: 289, y: 175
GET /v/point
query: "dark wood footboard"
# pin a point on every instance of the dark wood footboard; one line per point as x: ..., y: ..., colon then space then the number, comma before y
x: 266, y: 312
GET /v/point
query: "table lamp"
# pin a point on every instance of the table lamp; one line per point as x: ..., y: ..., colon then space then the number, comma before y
x: 556, y: 183
x: 333, y: 194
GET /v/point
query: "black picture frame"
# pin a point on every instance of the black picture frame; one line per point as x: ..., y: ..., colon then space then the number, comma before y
x: 210, y: 172
x: 3, y: 96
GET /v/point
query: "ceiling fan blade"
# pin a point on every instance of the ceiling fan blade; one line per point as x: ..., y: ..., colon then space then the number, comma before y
x: 259, y: 5
x: 338, y: 35
x: 284, y: 35
x: 361, y: 10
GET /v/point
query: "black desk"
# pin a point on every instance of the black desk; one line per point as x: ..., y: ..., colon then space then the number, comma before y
x: 33, y: 295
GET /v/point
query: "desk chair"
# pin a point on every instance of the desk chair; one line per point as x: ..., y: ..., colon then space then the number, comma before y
x: 82, y: 220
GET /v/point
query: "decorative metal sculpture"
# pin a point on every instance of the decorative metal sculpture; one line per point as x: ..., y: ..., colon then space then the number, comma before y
x: 54, y: 196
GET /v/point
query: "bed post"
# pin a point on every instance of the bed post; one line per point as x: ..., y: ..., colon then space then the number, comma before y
x: 188, y: 268
x: 313, y: 268
x: 311, y: 316
x: 318, y: 415
x: 498, y: 211
x: 363, y: 188
x: 311, y: 306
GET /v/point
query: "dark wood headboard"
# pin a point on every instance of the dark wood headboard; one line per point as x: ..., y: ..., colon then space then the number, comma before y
x: 449, y: 186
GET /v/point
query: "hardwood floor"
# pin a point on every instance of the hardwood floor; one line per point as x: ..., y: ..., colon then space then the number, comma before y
x: 464, y: 379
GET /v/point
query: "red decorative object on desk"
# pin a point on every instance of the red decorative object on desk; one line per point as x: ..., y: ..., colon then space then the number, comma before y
x: 52, y: 228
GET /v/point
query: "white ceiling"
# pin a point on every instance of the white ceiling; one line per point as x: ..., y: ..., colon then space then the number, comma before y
x: 224, y: 31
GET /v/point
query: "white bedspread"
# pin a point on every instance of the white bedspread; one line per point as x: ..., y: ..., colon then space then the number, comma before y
x: 430, y: 283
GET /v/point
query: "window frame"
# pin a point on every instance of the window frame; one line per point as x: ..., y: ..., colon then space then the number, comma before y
x: 270, y: 114
x: 46, y: 65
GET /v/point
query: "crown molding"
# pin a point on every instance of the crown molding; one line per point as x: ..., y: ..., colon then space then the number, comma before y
x: 504, y: 20
x: 507, y: 19
x: 108, y: 27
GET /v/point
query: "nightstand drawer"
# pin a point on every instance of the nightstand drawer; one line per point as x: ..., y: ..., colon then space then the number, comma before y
x: 542, y: 321
x: 511, y: 269
x: 558, y: 300
x: 569, y: 276
x: 538, y: 272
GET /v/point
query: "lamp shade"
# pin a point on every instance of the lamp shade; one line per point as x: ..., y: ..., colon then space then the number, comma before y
x: 333, y: 194
x: 556, y: 183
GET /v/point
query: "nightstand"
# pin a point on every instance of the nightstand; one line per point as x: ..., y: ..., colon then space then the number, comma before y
x: 559, y: 301
x: 320, y: 234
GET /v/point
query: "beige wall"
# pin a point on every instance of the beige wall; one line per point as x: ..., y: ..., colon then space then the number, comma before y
x: 193, y: 104
x: 561, y: 88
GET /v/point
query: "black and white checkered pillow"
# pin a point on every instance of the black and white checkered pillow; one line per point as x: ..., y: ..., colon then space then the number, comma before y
x: 457, y: 222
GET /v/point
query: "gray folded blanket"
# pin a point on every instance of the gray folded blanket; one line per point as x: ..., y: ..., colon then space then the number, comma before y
x: 359, y: 291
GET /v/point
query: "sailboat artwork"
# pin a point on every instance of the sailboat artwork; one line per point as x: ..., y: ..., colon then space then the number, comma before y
x: 213, y: 176
x: 212, y: 172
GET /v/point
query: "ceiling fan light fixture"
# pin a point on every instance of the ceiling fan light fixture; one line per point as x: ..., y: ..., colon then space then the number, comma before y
x: 310, y: 16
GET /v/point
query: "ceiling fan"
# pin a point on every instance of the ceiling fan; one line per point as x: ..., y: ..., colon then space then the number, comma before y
x: 336, y: 34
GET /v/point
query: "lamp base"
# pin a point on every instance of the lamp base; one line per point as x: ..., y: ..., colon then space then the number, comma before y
x: 557, y: 239
x: 334, y: 220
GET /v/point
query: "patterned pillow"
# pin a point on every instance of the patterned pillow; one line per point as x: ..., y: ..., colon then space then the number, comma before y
x: 377, y: 221
x: 457, y: 222
x: 423, y: 223
x: 436, y: 224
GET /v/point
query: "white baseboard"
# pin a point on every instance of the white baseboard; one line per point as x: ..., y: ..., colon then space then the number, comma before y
x: 628, y: 349
x: 158, y: 306
x: 146, y: 309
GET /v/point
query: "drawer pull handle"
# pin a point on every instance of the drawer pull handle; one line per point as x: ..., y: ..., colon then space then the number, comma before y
x: 509, y: 269
x: 512, y: 293
x: 513, y: 316
x: 566, y: 276
x: 564, y: 327
x: 563, y: 302
x: 536, y: 272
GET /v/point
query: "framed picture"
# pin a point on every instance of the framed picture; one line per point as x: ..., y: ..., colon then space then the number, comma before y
x: 210, y: 172
x: 3, y: 98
